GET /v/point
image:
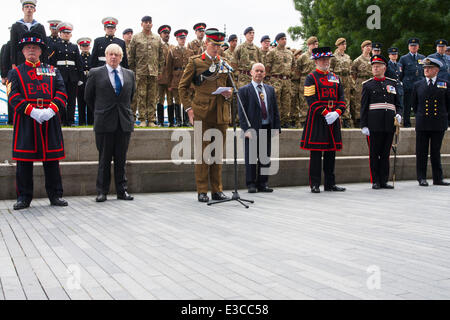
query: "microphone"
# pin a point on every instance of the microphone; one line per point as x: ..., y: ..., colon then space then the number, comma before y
x: 226, y: 65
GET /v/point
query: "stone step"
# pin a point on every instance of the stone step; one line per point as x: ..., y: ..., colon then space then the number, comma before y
x: 157, y: 144
x: 167, y: 176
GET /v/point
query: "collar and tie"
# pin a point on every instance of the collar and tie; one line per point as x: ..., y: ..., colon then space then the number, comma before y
x: 118, y: 87
x: 430, y: 83
x: 261, y: 100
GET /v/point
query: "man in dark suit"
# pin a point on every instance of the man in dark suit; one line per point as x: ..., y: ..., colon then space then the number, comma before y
x: 109, y: 92
x: 260, y: 103
x: 412, y: 71
x: 431, y: 103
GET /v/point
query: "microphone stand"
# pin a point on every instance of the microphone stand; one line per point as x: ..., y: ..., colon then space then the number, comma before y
x: 236, y: 99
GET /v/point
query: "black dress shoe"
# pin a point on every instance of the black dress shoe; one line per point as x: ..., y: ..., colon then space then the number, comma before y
x: 441, y: 183
x: 218, y: 196
x: 376, y: 186
x: 125, y: 196
x: 423, y: 183
x: 315, y: 189
x: 252, y: 189
x: 59, y: 202
x: 265, y: 189
x: 335, y: 189
x: 20, y: 205
x: 386, y: 186
x: 101, y: 198
x: 203, y: 197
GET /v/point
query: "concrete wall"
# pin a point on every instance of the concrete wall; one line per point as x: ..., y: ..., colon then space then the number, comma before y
x: 150, y: 169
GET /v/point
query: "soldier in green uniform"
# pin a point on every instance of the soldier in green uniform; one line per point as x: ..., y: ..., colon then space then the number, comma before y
x: 245, y: 55
x: 209, y: 111
x: 305, y: 66
x: 147, y: 61
x: 361, y: 71
x: 198, y: 45
x: 265, y: 48
x: 295, y: 87
x: 232, y: 41
x: 127, y: 35
x: 176, y: 62
x: 280, y: 64
x: 163, y: 80
x: 341, y: 64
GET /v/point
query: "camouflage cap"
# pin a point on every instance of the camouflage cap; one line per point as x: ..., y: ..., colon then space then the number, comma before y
x: 340, y: 41
x: 311, y: 40
x: 366, y: 43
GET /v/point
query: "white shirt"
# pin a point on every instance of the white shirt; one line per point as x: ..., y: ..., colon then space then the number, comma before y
x: 112, y: 75
x: 432, y: 79
x: 255, y: 85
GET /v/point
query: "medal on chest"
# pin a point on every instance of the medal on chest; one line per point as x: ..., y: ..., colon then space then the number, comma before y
x: 441, y: 85
x: 213, y: 68
x: 332, y: 78
x: 391, y: 89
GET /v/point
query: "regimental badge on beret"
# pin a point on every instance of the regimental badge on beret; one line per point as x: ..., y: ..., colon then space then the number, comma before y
x: 247, y: 30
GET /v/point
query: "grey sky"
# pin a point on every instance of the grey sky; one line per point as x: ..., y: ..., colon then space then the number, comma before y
x: 266, y: 16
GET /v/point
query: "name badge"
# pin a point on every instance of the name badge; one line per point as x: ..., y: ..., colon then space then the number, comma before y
x: 333, y: 78
x: 441, y: 85
x: 391, y: 89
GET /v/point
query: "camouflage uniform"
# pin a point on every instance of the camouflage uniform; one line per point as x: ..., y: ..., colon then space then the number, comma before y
x: 280, y: 64
x: 295, y: 102
x: 305, y: 65
x: 163, y: 85
x: 362, y: 71
x: 244, y: 57
x: 177, y: 60
x: 197, y: 46
x: 264, y: 56
x: 341, y: 64
x: 146, y: 60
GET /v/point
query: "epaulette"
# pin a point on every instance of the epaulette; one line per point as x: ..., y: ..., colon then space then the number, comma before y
x: 367, y: 80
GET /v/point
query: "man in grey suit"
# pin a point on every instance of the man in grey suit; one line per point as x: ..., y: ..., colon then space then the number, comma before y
x: 109, y: 92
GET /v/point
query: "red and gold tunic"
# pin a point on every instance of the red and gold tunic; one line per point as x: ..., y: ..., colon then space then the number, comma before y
x: 36, y: 85
x: 324, y: 94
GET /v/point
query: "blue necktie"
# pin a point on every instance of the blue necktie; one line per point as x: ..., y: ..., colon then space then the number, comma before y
x: 118, y: 83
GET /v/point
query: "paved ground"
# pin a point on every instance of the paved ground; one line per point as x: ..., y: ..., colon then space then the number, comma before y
x: 361, y: 244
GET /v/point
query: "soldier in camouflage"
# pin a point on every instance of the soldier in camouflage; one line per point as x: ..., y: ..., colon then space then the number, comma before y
x: 265, y: 48
x: 305, y: 65
x: 147, y: 61
x: 341, y: 64
x: 163, y: 80
x: 295, y: 87
x: 176, y: 62
x: 198, y: 45
x: 127, y: 35
x: 232, y: 41
x: 361, y: 71
x: 245, y: 56
x: 280, y: 64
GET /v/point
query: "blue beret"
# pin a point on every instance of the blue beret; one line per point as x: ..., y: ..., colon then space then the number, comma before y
x: 128, y: 30
x: 232, y: 37
x: 248, y: 30
x: 146, y: 19
x: 264, y: 38
x: 280, y: 35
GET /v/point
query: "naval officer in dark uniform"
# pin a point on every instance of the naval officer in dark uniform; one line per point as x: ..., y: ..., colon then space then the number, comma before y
x: 412, y: 72
x: 37, y: 94
x: 431, y: 103
x: 85, y: 115
x: 380, y: 105
x: 100, y: 44
x: 67, y: 59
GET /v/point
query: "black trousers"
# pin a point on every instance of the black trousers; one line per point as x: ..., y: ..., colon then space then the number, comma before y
x: 69, y: 117
x: 380, y: 144
x: 429, y: 140
x: 315, y: 168
x: 112, y: 145
x: 85, y: 114
x: 253, y: 174
x: 407, y: 104
x: 24, y: 180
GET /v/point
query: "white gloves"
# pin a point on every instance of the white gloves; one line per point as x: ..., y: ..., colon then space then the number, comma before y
x: 47, y: 114
x: 331, y: 117
x: 365, y: 131
x: 36, y: 114
x: 80, y: 83
x: 42, y: 115
x: 399, y: 118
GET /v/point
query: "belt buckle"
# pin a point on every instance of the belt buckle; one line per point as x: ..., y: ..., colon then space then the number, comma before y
x: 40, y: 103
x: 330, y: 104
x: 67, y: 63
